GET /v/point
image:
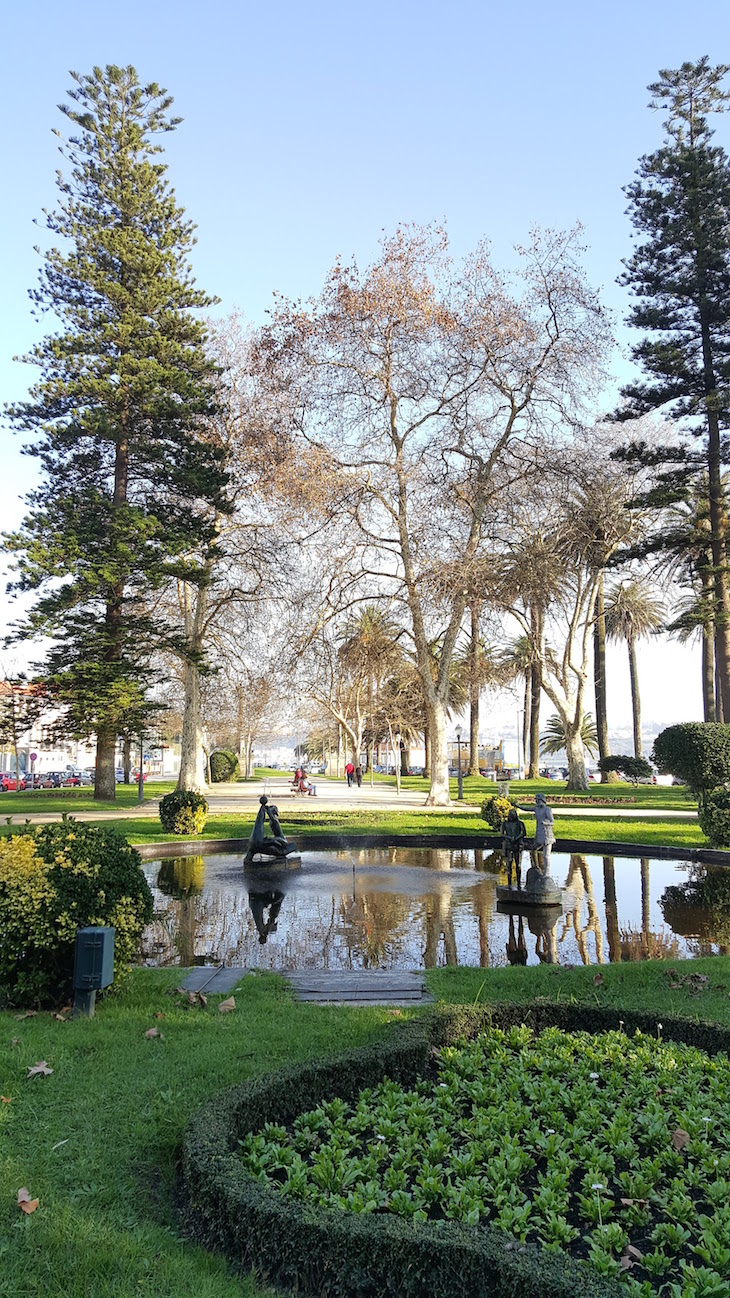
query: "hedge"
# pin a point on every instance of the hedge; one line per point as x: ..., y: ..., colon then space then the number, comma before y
x: 341, y: 1255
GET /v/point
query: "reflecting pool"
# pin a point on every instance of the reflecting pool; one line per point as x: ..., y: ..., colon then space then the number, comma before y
x: 407, y: 908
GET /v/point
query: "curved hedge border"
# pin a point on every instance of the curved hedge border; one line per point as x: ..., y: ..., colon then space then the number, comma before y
x: 346, y: 1255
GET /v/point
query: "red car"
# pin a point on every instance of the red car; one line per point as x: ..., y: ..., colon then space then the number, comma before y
x: 9, y: 782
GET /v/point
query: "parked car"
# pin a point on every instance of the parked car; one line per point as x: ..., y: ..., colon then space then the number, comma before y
x: 119, y: 775
x: 9, y: 782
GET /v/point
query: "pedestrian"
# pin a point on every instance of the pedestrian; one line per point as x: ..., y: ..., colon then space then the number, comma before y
x: 350, y: 773
x: 358, y: 775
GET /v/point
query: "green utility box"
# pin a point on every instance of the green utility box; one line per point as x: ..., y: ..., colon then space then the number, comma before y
x: 94, y: 963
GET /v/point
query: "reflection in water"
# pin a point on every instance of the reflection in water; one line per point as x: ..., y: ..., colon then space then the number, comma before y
x: 405, y: 908
x: 699, y: 909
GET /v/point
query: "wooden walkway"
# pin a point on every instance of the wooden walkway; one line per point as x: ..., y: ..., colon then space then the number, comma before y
x: 325, y: 986
x: 359, y: 987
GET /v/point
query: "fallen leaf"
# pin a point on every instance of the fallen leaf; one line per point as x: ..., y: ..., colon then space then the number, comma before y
x: 60, y: 1018
x: 680, y: 1138
x: 598, y: 980
x: 15, y: 1041
x: 6, y: 1099
x: 629, y: 1203
x: 225, y: 1007
x: 154, y: 1032
x: 632, y: 1251
x: 625, y: 1262
x: 29, y: 1014
x: 25, y: 1203
x: 158, y: 1014
x: 40, y: 1069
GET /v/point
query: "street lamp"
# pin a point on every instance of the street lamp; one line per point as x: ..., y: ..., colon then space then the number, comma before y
x: 460, y: 778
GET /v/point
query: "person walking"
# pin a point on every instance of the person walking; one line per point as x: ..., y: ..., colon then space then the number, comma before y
x: 358, y: 775
x: 350, y: 773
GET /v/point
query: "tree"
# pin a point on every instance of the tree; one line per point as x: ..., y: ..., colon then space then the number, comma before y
x: 632, y: 614
x: 128, y: 485
x: 680, y: 272
x: 635, y: 768
x: 418, y: 379
x: 22, y: 703
x: 555, y: 738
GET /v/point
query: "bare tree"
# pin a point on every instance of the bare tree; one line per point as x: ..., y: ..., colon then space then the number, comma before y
x: 416, y: 378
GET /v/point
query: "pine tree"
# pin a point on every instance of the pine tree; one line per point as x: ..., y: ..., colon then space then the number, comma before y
x: 680, y: 273
x: 130, y: 482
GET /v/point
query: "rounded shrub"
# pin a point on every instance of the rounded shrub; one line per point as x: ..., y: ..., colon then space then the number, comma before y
x: 183, y: 812
x: 224, y: 766
x: 714, y: 817
x: 634, y: 768
x: 495, y: 810
x: 54, y: 880
x: 696, y: 752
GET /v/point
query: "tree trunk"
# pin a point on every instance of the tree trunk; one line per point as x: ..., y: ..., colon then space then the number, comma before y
x: 577, y: 778
x: 612, y: 928
x: 241, y: 746
x: 426, y: 753
x: 192, y: 777
x: 127, y: 759
x: 474, y: 692
x: 439, y: 793
x: 719, y: 709
x: 526, y: 720
x: 635, y: 699
x: 708, y: 672
x: 599, y: 681
x: 405, y: 759
x: 535, y: 690
x: 105, y: 779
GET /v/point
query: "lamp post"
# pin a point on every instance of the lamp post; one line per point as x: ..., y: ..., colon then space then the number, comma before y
x: 460, y: 778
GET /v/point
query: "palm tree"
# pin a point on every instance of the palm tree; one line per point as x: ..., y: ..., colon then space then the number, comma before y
x: 370, y: 646
x: 633, y: 613
x: 517, y: 661
x: 554, y: 737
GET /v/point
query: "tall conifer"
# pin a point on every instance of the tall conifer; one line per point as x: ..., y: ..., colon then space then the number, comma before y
x: 130, y: 483
x: 680, y: 274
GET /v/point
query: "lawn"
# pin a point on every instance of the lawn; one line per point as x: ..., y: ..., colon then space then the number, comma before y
x: 678, y: 833
x: 39, y: 802
x: 476, y: 789
x: 97, y: 1141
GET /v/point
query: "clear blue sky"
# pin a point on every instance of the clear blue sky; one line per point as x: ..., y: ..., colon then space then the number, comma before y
x: 309, y: 128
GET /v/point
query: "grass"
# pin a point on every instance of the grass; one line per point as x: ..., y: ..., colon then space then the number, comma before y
x: 40, y: 802
x: 105, y: 1226
x: 673, y: 833
x: 476, y: 789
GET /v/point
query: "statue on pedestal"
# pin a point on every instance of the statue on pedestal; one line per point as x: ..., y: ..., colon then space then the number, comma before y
x: 263, y: 847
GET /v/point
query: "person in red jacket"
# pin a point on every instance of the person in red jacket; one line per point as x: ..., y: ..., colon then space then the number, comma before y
x: 350, y: 773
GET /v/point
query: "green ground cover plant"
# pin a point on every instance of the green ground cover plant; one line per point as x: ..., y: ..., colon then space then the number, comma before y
x: 41, y: 802
x: 98, y: 1140
x: 613, y: 1148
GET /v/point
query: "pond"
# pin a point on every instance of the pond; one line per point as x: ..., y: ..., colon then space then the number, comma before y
x: 409, y: 908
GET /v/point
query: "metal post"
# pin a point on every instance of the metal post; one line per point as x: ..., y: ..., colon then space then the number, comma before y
x: 140, y: 781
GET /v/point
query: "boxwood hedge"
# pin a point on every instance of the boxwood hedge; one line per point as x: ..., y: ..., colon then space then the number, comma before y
x: 343, y: 1255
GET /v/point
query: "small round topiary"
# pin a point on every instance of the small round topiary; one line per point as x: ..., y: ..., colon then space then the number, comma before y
x: 183, y: 812
x: 495, y: 810
x: 223, y: 766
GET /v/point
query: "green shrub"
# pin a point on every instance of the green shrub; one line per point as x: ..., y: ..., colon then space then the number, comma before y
x: 697, y: 752
x: 495, y: 810
x: 182, y: 812
x: 634, y: 768
x: 223, y: 766
x: 314, y: 1250
x: 714, y: 817
x: 54, y: 880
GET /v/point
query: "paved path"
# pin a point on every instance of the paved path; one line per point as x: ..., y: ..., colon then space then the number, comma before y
x: 334, y: 795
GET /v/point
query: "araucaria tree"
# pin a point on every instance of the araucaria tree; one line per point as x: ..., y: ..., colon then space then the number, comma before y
x: 680, y: 273
x: 129, y: 487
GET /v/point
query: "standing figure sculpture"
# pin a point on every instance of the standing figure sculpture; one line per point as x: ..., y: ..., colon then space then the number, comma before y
x: 544, y: 831
x: 259, y: 844
x: 514, y: 835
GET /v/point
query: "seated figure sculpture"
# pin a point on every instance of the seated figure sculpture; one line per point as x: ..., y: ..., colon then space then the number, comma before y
x: 261, y: 844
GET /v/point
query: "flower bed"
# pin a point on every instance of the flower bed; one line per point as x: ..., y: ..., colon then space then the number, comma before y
x: 516, y: 1165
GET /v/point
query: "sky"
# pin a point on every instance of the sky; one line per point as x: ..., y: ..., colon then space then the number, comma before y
x: 310, y: 129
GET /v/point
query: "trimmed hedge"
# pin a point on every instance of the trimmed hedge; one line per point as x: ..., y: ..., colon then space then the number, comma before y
x: 224, y: 766
x: 697, y: 752
x: 183, y: 812
x: 346, y: 1255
